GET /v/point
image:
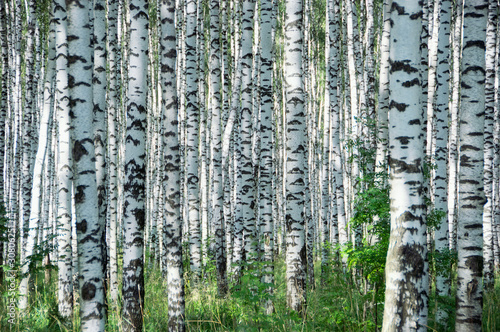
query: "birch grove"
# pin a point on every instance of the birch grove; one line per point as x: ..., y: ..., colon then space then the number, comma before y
x: 249, y: 165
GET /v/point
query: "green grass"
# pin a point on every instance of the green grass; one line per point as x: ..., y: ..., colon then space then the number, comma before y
x: 337, y: 305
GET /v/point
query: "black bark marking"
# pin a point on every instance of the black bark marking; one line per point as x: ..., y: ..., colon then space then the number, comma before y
x: 79, y: 150
x: 411, y: 83
x: 400, y: 166
x: 398, y: 8
x: 399, y: 106
x: 475, y: 43
x: 88, y: 291
x: 475, y: 69
x: 402, y: 66
x: 80, y: 194
x: 403, y: 140
x: 475, y: 264
x: 82, y: 226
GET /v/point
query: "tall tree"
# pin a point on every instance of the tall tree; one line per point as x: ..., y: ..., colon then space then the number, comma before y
x: 112, y: 110
x: 192, y: 123
x: 135, y: 168
x: 216, y: 153
x: 296, y: 159
x: 491, y: 43
x: 100, y: 136
x: 172, y: 225
x: 441, y: 127
x: 471, y: 189
x: 89, y: 230
x: 406, y: 297
x: 64, y: 163
x: 246, y: 182
x: 266, y: 158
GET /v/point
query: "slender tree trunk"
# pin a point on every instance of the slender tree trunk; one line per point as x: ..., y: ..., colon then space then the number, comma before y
x: 172, y: 226
x: 488, y: 272
x: 454, y: 124
x: 135, y: 169
x: 266, y: 157
x: 100, y: 136
x: 441, y: 111
x: 89, y: 230
x: 64, y: 165
x: 406, y: 298
x: 470, y: 195
x: 216, y: 103
x: 192, y: 123
x: 112, y: 110
x: 247, y: 176
x: 296, y: 159
x: 383, y: 93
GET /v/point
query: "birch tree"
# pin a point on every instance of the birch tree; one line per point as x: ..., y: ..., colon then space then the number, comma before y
x: 470, y: 177
x: 89, y: 230
x: 406, y: 294
x: 296, y: 159
x: 99, y: 91
x: 192, y: 122
x: 491, y: 39
x: 216, y: 153
x: 266, y: 158
x: 64, y: 164
x: 135, y: 169
x: 112, y: 112
x: 172, y: 225
x: 440, y: 176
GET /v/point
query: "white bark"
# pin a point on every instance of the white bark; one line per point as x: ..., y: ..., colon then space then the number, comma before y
x: 470, y: 193
x: 295, y: 163
x: 406, y: 298
x: 89, y: 230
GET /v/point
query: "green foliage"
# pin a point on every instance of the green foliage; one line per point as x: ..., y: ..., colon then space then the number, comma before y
x: 336, y: 305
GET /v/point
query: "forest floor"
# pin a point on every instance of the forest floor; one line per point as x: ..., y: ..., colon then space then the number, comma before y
x: 337, y: 304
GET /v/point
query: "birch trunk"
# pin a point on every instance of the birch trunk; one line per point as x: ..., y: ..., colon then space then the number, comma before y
x: 406, y: 298
x: 296, y: 159
x: 440, y: 176
x: 134, y: 212
x: 470, y: 193
x: 64, y: 165
x: 89, y: 230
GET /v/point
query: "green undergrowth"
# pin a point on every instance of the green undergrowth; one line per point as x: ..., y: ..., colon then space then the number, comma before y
x: 337, y: 304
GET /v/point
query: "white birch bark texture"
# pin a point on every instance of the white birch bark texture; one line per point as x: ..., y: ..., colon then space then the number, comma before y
x: 100, y: 137
x: 454, y: 124
x: 89, y: 231
x: 383, y: 92
x: 112, y: 112
x: 296, y: 159
x: 216, y: 154
x: 192, y: 124
x: 172, y: 224
x: 441, y: 152
x: 135, y: 169
x: 470, y: 177
x: 266, y: 157
x: 64, y: 164
x: 337, y: 177
x: 247, y: 180
x: 406, y: 298
x: 329, y: 186
x: 491, y: 32
x: 26, y: 138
